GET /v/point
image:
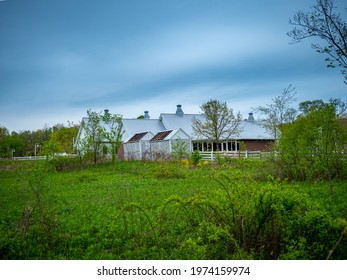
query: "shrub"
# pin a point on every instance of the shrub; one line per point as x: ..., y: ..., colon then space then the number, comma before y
x: 195, y: 157
x: 168, y: 170
x: 65, y: 163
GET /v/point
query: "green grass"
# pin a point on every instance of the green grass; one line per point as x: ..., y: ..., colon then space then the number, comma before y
x: 148, y: 210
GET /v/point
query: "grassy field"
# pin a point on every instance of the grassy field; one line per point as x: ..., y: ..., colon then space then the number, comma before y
x: 155, y: 210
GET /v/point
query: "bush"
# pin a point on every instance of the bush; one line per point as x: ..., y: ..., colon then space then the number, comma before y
x: 65, y: 163
x: 195, y: 157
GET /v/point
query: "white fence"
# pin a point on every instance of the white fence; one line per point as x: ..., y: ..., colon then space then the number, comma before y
x: 239, y: 154
x: 43, y: 157
x: 29, y: 158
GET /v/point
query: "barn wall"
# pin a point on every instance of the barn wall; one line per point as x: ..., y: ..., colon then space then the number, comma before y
x: 132, y: 151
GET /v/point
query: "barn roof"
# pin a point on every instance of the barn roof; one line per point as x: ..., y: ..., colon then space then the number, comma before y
x: 250, y: 130
x: 137, y: 137
x: 134, y: 126
x: 162, y: 135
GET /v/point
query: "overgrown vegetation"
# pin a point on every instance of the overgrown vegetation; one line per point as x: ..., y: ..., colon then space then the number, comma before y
x: 167, y: 210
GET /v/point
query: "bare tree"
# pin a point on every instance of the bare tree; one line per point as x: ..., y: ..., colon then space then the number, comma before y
x: 279, y: 112
x: 219, y: 122
x: 325, y: 24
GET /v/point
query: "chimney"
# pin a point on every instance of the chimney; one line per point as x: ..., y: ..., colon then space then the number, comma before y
x: 179, y: 111
x: 146, y: 116
x: 250, y: 117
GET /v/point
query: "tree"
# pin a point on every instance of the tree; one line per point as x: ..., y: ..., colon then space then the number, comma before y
x: 279, y: 112
x: 306, y: 106
x: 35, y: 138
x: 325, y: 24
x: 219, y: 122
x: 94, y: 136
x: 64, y: 136
x: 52, y: 147
x: 313, y: 146
x: 339, y: 106
x: 114, y: 133
x: 10, y: 144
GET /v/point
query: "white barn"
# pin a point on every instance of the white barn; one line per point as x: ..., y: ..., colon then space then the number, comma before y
x: 145, y: 137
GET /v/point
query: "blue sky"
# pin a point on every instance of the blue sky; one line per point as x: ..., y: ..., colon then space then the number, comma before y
x: 60, y: 58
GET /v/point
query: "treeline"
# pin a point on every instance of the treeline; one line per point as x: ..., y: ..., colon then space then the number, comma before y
x: 48, y: 140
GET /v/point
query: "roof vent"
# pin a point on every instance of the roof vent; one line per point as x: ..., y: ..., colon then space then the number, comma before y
x: 179, y: 111
x: 250, y: 117
x: 146, y: 116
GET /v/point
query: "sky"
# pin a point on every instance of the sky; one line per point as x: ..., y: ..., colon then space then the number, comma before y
x: 59, y: 58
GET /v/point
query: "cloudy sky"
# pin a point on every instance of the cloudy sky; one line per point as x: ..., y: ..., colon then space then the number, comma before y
x: 59, y: 58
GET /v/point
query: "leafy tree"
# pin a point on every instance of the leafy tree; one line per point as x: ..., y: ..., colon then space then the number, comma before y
x: 114, y: 133
x: 313, y: 146
x: 279, y: 112
x: 307, y: 106
x: 16, y: 144
x: 94, y: 136
x: 52, y: 147
x: 101, y: 131
x: 64, y: 136
x: 32, y: 138
x: 4, y: 147
x: 325, y: 24
x: 219, y: 122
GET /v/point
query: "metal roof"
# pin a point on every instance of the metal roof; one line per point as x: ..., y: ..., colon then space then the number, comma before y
x: 173, y: 121
x: 250, y: 130
x: 161, y: 135
x: 134, y: 126
x: 137, y: 137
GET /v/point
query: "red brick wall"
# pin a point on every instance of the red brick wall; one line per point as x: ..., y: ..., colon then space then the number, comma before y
x: 258, y: 145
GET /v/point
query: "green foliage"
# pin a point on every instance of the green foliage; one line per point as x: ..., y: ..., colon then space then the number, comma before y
x: 47, y: 141
x: 91, y: 145
x: 313, y: 146
x: 195, y: 157
x: 179, y: 150
x: 62, y: 163
x: 131, y: 213
x: 167, y: 170
x: 101, y: 134
x: 115, y: 132
x: 62, y: 138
